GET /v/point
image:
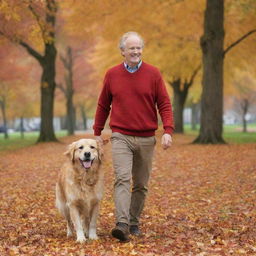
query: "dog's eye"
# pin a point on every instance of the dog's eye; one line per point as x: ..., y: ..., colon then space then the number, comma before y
x: 81, y: 147
x: 92, y: 147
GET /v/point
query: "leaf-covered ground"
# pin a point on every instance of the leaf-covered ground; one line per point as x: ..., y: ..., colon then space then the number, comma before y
x: 201, y: 201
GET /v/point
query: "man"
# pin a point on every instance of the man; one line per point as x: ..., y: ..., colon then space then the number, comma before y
x: 133, y: 90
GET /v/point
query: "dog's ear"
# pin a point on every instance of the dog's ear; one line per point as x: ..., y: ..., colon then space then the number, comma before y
x: 71, y: 151
x: 105, y: 142
x: 100, y: 150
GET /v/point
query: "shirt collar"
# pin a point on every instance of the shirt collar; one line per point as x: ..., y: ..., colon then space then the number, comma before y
x: 132, y: 69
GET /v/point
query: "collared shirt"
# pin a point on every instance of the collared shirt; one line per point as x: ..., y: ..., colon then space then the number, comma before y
x: 132, y: 69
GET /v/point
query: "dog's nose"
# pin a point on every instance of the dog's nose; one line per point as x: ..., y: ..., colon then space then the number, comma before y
x: 87, y: 154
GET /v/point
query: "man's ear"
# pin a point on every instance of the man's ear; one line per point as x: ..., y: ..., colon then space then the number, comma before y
x: 71, y: 151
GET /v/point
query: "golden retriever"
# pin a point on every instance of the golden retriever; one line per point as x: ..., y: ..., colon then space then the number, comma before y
x: 79, y: 188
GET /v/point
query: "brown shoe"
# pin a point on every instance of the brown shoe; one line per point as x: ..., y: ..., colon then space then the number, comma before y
x: 121, y: 232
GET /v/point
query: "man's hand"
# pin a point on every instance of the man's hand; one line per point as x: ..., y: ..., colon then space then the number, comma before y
x: 100, y: 140
x: 166, y: 141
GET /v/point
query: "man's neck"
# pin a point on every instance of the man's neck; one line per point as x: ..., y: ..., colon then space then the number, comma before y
x: 132, y: 65
x: 134, y: 68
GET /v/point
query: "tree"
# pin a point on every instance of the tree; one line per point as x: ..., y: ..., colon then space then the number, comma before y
x: 3, y: 100
x: 43, y: 13
x: 68, y: 90
x: 212, y: 45
x: 180, y: 89
x: 212, y: 95
x: 245, y: 95
x: 12, y: 69
x: 194, y: 115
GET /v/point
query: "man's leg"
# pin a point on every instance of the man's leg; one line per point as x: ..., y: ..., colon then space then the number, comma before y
x: 122, y: 156
x: 141, y: 170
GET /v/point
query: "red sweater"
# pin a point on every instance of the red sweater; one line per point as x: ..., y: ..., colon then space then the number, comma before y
x: 134, y: 98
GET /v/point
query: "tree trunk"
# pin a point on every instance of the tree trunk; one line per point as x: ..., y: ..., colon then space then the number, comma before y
x: 194, y: 116
x: 178, y: 105
x: 212, y: 95
x: 69, y: 91
x: 245, y: 106
x: 84, y: 117
x: 70, y: 116
x: 22, y: 127
x: 3, y: 109
x: 180, y: 95
x: 47, y: 95
x: 244, y: 124
x: 180, y: 91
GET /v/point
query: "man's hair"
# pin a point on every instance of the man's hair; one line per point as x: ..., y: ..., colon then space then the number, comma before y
x: 126, y: 36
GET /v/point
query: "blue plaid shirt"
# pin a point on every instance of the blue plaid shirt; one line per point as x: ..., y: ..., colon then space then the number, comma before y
x: 132, y: 69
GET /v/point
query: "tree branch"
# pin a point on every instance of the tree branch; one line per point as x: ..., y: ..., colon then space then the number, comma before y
x: 50, y: 18
x: 61, y: 87
x: 195, y: 73
x: 238, y: 41
x: 37, y: 17
x: 32, y: 52
x: 175, y: 84
x: 64, y: 61
x: 29, y: 49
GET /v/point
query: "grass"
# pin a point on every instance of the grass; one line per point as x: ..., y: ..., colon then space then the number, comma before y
x: 240, y: 137
x: 15, y: 141
x: 232, y: 133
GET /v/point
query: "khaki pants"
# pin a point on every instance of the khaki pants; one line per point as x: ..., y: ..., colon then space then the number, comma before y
x: 132, y: 159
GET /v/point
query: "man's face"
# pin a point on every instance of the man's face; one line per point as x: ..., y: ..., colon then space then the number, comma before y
x: 132, y: 51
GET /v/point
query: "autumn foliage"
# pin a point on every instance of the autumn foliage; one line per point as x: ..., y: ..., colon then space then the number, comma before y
x: 201, y: 201
x: 172, y: 30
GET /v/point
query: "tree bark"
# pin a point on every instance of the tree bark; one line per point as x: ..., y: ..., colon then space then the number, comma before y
x: 212, y: 94
x: 180, y: 96
x: 3, y: 109
x: 22, y: 127
x: 69, y: 91
x: 244, y: 106
x: 84, y: 117
x: 48, y: 86
x: 70, y: 116
x: 180, y: 91
x: 194, y: 115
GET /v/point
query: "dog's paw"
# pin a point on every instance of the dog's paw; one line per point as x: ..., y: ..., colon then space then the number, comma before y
x: 92, y: 234
x: 81, y: 239
x: 93, y: 237
x: 69, y: 233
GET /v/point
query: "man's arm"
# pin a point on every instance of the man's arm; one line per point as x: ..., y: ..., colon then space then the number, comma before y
x: 165, y: 110
x: 103, y: 108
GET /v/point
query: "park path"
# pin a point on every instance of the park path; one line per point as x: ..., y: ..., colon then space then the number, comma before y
x: 201, y: 201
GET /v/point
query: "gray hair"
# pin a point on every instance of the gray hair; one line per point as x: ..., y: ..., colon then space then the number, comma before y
x: 126, y: 36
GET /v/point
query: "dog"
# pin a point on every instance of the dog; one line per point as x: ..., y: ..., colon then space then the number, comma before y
x: 79, y: 188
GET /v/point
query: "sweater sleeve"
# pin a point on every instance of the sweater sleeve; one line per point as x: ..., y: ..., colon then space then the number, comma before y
x: 164, y: 106
x: 103, y: 107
